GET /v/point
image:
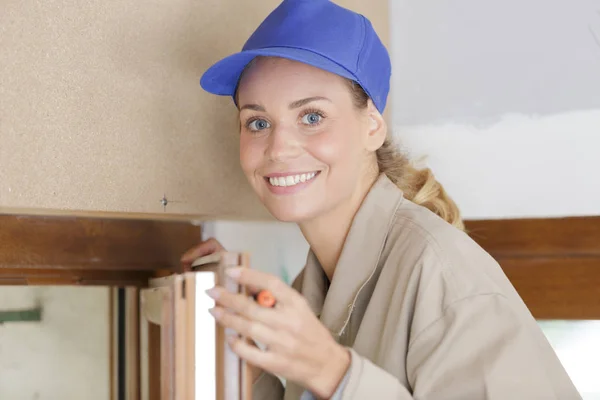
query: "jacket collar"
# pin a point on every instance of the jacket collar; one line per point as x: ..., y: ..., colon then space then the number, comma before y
x: 358, y: 260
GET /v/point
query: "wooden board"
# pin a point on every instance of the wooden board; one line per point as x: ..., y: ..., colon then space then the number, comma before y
x: 536, y: 237
x: 233, y: 376
x: 101, y: 108
x: 554, y: 263
x: 73, y: 250
x: 196, y: 362
x: 557, y: 288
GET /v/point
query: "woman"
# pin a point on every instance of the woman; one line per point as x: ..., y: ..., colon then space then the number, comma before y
x: 395, y: 300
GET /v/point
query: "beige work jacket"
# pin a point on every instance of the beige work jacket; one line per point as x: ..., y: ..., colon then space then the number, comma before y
x: 426, y: 313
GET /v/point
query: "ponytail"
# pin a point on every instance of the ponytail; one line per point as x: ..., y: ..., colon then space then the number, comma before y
x: 417, y: 185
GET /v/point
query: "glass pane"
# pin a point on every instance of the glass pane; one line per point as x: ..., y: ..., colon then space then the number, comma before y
x: 577, y: 344
x: 65, y: 354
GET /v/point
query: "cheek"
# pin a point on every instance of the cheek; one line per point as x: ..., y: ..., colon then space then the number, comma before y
x: 336, y: 148
x: 250, y: 154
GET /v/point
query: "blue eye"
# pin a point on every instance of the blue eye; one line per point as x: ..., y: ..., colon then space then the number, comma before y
x: 312, y: 118
x: 258, y: 125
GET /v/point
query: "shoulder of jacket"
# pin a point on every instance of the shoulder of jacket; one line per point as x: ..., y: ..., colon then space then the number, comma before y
x: 444, y: 250
x: 421, y: 226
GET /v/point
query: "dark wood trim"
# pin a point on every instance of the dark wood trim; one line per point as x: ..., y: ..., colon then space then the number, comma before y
x: 548, y: 237
x: 55, y: 277
x: 55, y: 250
x: 554, y: 263
x: 557, y: 288
x: 132, y: 344
x: 154, y: 367
x: 112, y: 370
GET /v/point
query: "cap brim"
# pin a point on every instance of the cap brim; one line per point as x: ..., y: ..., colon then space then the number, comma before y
x: 222, y: 77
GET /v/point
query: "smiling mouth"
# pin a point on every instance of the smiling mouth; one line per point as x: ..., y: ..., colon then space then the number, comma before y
x: 291, y: 180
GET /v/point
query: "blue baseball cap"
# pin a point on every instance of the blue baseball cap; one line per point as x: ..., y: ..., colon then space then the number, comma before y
x: 315, y: 32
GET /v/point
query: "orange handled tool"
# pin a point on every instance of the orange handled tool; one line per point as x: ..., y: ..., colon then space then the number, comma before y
x: 265, y: 298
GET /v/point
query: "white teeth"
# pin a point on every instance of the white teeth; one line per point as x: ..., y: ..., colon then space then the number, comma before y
x: 291, y: 180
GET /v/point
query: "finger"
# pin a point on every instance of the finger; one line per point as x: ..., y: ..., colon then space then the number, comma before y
x: 204, y: 248
x: 245, y: 327
x: 267, y: 360
x: 247, y: 307
x: 252, y: 290
x: 262, y: 280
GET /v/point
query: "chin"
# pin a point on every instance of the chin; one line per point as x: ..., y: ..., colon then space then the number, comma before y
x: 292, y: 212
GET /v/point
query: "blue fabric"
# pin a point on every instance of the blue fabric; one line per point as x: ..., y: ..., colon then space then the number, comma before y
x: 319, y: 33
x: 337, y: 395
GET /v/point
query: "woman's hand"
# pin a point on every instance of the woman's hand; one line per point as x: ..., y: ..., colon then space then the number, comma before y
x: 299, y: 346
x: 202, y: 249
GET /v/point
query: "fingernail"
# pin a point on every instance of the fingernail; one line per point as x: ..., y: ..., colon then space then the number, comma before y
x: 230, y: 332
x: 215, y: 312
x: 212, y: 292
x: 233, y: 272
x: 231, y: 338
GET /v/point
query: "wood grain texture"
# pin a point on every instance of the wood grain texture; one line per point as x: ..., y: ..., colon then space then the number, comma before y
x: 132, y: 344
x: 167, y: 346
x: 87, y: 251
x: 55, y: 277
x: 553, y: 263
x: 536, y: 237
x: 112, y: 340
x: 101, y: 108
x: 154, y: 367
x: 557, y: 288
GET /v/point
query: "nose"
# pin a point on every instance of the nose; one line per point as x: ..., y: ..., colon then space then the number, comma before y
x: 282, y: 145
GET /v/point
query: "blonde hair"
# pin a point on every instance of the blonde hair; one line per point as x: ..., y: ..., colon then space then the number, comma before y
x: 418, y: 185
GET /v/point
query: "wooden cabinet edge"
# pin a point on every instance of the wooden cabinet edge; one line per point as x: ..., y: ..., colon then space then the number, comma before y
x: 58, y: 250
x: 196, y: 218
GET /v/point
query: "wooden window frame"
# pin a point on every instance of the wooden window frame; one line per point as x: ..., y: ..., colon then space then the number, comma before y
x: 122, y: 254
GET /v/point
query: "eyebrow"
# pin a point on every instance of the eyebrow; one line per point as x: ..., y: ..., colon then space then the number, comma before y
x: 294, y: 104
x: 254, y: 107
x: 300, y: 103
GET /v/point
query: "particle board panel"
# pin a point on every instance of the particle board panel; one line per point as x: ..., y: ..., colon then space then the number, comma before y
x: 101, y: 108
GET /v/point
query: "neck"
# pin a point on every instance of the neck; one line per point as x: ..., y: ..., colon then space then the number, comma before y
x: 327, y: 233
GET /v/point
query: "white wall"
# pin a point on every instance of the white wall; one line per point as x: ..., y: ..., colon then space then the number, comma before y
x: 274, y: 247
x: 504, y: 100
x: 63, y: 357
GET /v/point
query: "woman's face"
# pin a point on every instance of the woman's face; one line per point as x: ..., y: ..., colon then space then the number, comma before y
x: 304, y: 146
